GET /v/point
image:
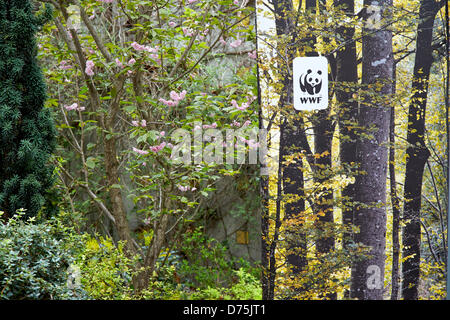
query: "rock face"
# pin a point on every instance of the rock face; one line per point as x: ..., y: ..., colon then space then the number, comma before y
x: 232, y: 216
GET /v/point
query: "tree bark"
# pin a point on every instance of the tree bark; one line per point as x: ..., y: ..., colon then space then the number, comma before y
x: 348, y: 110
x: 115, y: 194
x: 417, y: 152
x: 292, y: 174
x: 323, y: 135
x: 395, y: 202
x: 372, y: 153
x: 293, y: 185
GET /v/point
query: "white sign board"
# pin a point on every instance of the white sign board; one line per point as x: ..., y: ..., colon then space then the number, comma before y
x: 310, y: 83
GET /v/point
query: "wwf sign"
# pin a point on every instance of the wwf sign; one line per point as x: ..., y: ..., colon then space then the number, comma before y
x: 310, y: 83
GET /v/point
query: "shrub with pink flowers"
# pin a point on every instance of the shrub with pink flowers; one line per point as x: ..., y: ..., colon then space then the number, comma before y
x: 131, y: 74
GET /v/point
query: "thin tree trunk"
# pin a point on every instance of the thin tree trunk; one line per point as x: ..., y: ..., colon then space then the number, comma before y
x: 273, y: 245
x: 417, y: 152
x: 372, y: 152
x: 264, y: 193
x: 395, y: 202
x: 323, y: 134
x: 293, y: 185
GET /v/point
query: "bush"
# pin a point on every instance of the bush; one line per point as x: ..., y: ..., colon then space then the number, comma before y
x: 34, y: 259
x: 247, y: 288
x: 105, y: 271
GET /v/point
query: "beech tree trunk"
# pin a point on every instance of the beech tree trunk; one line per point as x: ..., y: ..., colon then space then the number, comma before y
x: 395, y: 202
x: 348, y: 110
x: 323, y: 135
x: 293, y: 185
x: 372, y: 152
x: 292, y: 174
x: 417, y: 153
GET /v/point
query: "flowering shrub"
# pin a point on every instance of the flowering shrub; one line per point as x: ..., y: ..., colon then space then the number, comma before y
x: 123, y: 77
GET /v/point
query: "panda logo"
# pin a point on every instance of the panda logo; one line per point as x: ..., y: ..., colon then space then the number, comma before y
x: 311, y: 82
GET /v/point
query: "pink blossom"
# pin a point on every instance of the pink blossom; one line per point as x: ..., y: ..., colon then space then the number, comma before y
x: 73, y: 106
x: 131, y: 62
x: 89, y: 67
x: 243, y: 106
x: 236, y: 2
x: 236, y: 43
x: 177, y: 97
x: 210, y: 126
x: 119, y: 63
x: 246, y: 123
x: 235, y: 124
x: 139, y: 151
x: 136, y: 123
x: 151, y: 50
x: 172, y: 24
x: 252, y: 55
x: 137, y: 46
x: 64, y: 65
x: 187, y: 32
x: 162, y: 133
x: 192, y: 1
x: 183, y: 188
x: 158, y: 147
x: 106, y: 1
x: 174, y: 95
x: 155, y: 57
x: 222, y: 41
x: 168, y: 103
x: 252, y: 144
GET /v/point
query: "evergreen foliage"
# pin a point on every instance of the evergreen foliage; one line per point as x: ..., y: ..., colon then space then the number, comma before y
x: 27, y: 133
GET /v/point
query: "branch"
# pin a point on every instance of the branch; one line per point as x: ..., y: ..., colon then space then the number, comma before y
x: 94, y: 33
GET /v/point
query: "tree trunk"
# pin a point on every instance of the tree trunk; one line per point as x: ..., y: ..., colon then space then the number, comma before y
x: 292, y: 174
x: 264, y: 193
x: 293, y: 185
x: 118, y: 209
x: 323, y: 135
x: 370, y: 215
x: 417, y: 153
x: 348, y: 110
x: 395, y: 202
